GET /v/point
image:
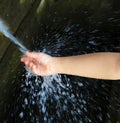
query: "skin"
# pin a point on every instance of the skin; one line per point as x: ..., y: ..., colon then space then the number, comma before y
x: 104, y: 65
x: 39, y: 63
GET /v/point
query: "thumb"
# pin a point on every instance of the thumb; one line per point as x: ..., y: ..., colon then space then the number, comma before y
x: 32, y: 54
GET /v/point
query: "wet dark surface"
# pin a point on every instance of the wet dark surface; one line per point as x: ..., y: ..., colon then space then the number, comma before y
x: 71, y: 31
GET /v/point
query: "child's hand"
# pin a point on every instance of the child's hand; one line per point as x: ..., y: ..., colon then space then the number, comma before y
x: 39, y: 63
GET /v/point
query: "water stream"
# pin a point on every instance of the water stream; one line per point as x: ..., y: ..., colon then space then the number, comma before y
x: 4, y: 29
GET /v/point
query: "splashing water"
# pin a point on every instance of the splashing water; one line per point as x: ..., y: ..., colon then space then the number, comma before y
x: 5, y: 31
x: 50, y: 90
x: 56, y: 98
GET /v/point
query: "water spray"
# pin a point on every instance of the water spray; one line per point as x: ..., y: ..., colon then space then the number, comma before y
x: 4, y: 29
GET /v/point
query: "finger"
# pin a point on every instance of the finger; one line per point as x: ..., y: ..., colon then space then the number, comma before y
x: 26, y: 61
x: 32, y: 54
x: 23, y: 59
x: 34, y: 69
x: 31, y: 64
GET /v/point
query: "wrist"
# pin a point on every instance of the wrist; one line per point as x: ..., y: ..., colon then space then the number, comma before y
x: 57, y: 65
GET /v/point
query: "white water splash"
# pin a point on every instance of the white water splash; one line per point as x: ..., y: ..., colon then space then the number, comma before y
x: 51, y: 89
x: 4, y: 29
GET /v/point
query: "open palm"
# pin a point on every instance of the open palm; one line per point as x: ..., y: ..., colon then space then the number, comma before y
x: 39, y: 63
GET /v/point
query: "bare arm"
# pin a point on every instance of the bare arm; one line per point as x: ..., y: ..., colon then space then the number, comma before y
x: 94, y: 65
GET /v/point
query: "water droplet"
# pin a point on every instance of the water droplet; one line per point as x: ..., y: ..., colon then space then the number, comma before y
x: 21, y: 115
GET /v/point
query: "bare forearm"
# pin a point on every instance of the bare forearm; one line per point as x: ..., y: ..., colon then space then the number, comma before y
x: 95, y: 65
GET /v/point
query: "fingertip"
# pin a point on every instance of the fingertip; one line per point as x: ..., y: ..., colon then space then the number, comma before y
x: 22, y: 59
x: 34, y: 68
x: 26, y: 63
